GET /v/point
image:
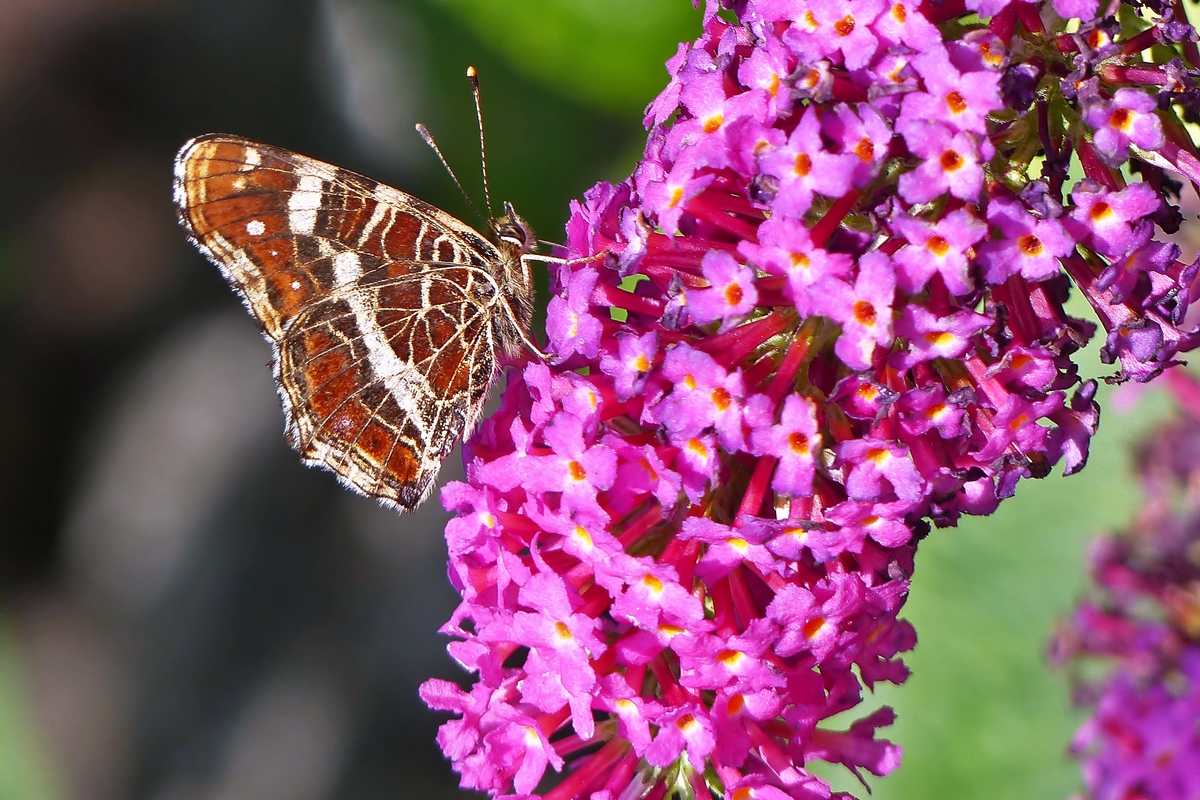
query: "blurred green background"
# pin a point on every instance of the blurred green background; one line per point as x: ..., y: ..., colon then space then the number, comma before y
x: 188, y: 613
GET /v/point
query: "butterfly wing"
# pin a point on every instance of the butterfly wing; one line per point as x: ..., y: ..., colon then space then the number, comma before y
x: 381, y: 308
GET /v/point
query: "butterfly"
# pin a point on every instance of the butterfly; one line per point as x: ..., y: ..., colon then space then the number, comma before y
x: 387, y: 317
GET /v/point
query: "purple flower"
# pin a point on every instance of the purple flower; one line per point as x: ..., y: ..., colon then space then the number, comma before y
x: 1030, y: 246
x: 667, y: 196
x: 731, y: 294
x: 767, y: 70
x: 642, y: 469
x: 803, y: 168
x: 931, y: 336
x: 838, y: 27
x: 944, y: 248
x: 575, y: 329
x: 867, y: 135
x: 864, y: 309
x: 827, y: 311
x: 1129, y: 118
x: 960, y: 100
x: 950, y: 162
x: 880, y: 521
x: 1084, y: 10
x: 727, y: 547
x: 1140, y: 625
x: 632, y: 362
x: 901, y: 23
x: 814, y: 620
x: 685, y: 731
x: 705, y: 397
x: 924, y: 409
x: 785, y: 248
x: 795, y: 441
x: 1109, y: 217
x: 871, y: 462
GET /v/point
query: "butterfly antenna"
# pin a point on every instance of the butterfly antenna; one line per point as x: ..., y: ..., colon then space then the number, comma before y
x: 428, y: 137
x: 473, y: 77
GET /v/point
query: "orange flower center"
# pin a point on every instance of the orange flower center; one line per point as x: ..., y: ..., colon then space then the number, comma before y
x: 803, y: 164
x: 1030, y: 245
x: 864, y: 313
x: 729, y: 657
x: 733, y: 294
x: 1121, y: 118
x: 686, y: 722
x: 646, y: 465
x: 813, y: 626
x: 1100, y: 211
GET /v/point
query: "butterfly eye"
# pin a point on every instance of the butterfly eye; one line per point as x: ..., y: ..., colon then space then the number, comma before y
x: 513, y: 234
x: 512, y: 230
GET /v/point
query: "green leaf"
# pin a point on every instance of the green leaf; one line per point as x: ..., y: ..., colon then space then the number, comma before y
x: 606, y: 53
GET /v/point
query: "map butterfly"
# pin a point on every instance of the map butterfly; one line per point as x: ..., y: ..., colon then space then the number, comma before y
x: 387, y: 316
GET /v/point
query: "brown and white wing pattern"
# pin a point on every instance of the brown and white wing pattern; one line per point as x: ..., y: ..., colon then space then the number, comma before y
x: 384, y: 311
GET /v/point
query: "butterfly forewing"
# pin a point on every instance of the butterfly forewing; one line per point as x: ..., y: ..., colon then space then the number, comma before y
x: 385, y: 313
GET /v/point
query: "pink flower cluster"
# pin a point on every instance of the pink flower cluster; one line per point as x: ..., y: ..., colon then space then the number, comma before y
x: 826, y: 311
x: 1142, y: 624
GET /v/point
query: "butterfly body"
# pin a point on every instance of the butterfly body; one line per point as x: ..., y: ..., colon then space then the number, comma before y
x: 387, y: 316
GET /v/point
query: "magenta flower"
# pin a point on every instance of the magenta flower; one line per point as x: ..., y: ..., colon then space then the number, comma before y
x: 731, y: 293
x: 803, y: 168
x: 1143, y: 624
x: 794, y: 440
x: 1128, y: 118
x: 825, y: 313
x: 785, y: 248
x: 1028, y: 246
x: 950, y: 161
x: 944, y: 247
x: 1108, y: 217
x: 842, y: 27
x: 960, y: 100
x: 864, y: 309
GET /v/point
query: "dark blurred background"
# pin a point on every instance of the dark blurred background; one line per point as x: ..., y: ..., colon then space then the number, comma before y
x: 187, y: 611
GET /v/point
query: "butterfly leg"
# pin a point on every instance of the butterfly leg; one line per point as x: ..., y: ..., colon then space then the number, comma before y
x: 550, y: 358
x: 564, y: 262
x: 537, y: 351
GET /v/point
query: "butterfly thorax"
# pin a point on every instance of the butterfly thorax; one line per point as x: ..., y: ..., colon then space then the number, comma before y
x: 514, y: 239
